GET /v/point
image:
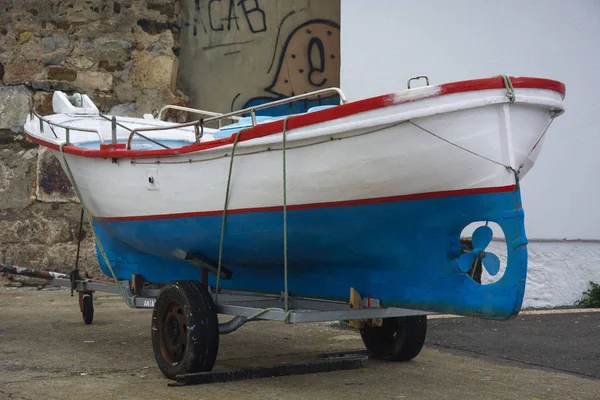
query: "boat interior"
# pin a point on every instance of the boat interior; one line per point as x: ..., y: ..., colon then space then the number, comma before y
x: 78, y: 122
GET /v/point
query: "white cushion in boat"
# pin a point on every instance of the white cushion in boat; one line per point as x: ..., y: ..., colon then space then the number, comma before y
x: 245, y: 122
x: 318, y: 108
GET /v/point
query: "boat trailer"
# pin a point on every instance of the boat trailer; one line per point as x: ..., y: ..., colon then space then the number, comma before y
x: 366, y: 314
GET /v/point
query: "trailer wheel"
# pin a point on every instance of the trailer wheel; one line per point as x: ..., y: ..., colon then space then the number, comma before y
x: 87, y: 307
x: 398, y: 339
x: 185, y: 329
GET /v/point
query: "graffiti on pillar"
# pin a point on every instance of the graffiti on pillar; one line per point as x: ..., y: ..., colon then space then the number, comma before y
x: 239, y: 53
x: 309, y: 61
x: 228, y: 15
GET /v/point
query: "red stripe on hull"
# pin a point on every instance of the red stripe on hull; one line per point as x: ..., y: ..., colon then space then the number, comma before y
x: 347, y: 203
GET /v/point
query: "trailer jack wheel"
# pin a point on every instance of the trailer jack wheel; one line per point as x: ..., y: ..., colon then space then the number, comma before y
x: 86, y: 304
x: 398, y: 339
x: 185, y: 329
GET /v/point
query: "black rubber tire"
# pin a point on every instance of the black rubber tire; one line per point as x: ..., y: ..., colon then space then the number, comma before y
x: 398, y: 339
x: 87, y: 309
x: 185, y: 312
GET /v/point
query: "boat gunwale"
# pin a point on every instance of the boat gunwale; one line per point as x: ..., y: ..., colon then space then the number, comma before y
x: 306, y: 119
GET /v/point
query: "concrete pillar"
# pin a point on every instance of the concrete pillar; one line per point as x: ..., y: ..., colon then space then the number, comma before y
x: 235, y: 54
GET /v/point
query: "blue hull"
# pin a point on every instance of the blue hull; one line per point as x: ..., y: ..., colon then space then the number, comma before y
x: 403, y: 252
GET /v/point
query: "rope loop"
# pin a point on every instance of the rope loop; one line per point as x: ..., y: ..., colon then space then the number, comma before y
x: 285, y: 230
x: 510, y: 90
x: 224, y: 218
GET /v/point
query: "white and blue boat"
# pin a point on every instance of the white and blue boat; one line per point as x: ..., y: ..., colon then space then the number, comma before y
x: 377, y: 192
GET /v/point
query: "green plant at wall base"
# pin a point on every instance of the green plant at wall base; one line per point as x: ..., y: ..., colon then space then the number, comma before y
x: 591, y: 298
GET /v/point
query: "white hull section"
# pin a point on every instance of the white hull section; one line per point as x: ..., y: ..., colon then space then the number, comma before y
x: 461, y: 141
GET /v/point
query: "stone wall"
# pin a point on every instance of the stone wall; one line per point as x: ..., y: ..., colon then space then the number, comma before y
x: 123, y: 54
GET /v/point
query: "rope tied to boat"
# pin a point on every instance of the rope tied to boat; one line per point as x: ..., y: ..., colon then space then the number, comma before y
x: 510, y: 90
x: 285, y: 230
x: 286, y: 309
x: 128, y: 300
x: 553, y: 114
x: 224, y: 217
x: 456, y: 145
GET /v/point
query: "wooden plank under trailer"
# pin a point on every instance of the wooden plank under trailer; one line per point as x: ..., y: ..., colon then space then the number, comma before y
x: 391, y: 333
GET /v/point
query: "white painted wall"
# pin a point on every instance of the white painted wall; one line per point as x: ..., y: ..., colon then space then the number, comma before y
x: 385, y: 42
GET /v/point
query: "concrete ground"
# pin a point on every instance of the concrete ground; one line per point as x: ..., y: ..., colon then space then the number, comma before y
x: 46, y: 352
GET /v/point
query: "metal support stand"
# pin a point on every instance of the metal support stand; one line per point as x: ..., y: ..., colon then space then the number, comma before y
x: 137, y: 284
x: 233, y: 302
x: 302, y: 309
x: 204, y: 263
x: 204, y: 277
x: 244, y: 305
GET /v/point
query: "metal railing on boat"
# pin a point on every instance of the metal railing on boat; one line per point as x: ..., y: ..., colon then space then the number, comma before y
x: 198, y: 124
x: 194, y: 111
x: 67, y: 128
x: 252, y: 110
